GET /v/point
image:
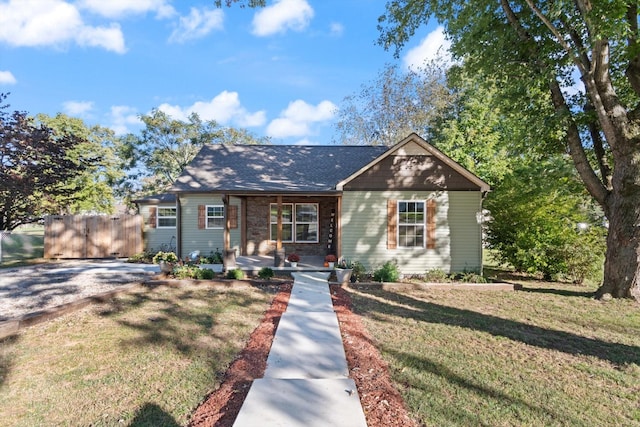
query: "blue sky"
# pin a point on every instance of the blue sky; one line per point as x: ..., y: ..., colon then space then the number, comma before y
x: 280, y: 71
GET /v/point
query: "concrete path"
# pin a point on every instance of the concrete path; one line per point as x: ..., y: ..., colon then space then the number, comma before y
x: 306, y: 381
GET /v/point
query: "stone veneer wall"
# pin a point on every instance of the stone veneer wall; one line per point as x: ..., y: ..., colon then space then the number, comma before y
x: 258, y: 242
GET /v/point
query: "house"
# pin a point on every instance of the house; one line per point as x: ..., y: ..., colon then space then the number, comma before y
x: 409, y: 202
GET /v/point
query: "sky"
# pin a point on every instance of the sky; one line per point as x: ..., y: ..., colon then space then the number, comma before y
x: 281, y: 71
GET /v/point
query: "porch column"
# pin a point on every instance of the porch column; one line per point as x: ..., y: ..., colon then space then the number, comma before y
x: 229, y: 255
x: 339, y: 228
x: 278, y: 259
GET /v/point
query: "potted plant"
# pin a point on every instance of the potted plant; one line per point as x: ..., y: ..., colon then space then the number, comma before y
x: 213, y: 261
x: 343, y: 272
x: 293, y: 259
x: 166, y: 261
x: 331, y: 260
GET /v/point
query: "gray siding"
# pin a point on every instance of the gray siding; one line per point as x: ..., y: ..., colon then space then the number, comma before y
x: 155, y: 238
x: 205, y: 240
x: 458, y: 245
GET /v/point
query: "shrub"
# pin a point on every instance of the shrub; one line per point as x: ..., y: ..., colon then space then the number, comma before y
x: 265, y: 273
x: 164, y: 256
x: 236, y: 274
x: 145, y: 257
x: 472, y: 277
x: 205, y: 274
x: 185, y: 272
x: 388, y: 272
x: 213, y: 258
x: 436, y: 275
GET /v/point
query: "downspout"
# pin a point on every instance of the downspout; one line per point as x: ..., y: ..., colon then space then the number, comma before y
x: 178, y: 226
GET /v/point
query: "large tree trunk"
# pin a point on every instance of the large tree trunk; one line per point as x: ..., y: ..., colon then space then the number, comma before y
x: 622, y: 263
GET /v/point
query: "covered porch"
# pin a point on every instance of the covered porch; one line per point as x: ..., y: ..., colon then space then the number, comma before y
x: 252, y: 264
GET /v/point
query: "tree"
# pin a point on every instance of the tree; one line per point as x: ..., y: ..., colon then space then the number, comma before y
x: 533, y: 49
x: 35, y: 168
x: 546, y: 225
x: 393, y: 106
x: 156, y: 158
x: 93, y: 188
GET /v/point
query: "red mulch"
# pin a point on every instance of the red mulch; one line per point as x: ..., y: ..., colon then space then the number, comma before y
x: 383, y: 405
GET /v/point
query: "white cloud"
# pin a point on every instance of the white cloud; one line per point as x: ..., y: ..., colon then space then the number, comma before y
x: 197, y: 24
x: 123, y: 118
x: 336, y: 29
x: 77, y: 108
x: 282, y: 16
x: 433, y: 46
x: 225, y: 109
x: 121, y: 8
x: 296, y: 120
x: 51, y: 23
x: 7, y: 78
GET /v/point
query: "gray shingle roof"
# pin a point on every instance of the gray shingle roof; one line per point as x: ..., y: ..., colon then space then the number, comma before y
x: 276, y: 168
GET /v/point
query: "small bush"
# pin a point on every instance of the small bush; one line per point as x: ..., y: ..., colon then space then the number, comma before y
x: 265, y: 273
x: 205, y: 274
x: 358, y: 271
x: 472, y: 277
x: 388, y: 272
x: 186, y: 272
x: 145, y: 257
x: 236, y: 274
x: 436, y: 275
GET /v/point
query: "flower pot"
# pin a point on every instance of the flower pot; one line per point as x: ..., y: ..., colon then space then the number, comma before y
x: 343, y: 275
x: 332, y: 264
x: 166, y: 267
x: 293, y: 264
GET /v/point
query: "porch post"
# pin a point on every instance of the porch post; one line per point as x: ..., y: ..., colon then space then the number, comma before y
x: 229, y: 255
x: 278, y: 259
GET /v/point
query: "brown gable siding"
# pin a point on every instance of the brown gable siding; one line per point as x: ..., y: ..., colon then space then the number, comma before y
x: 413, y: 172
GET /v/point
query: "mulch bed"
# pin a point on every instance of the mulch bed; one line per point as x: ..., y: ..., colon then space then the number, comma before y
x: 382, y: 403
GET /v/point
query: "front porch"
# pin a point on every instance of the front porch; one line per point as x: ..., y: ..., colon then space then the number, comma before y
x: 251, y: 264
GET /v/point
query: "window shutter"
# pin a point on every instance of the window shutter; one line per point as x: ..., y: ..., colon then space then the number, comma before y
x: 431, y: 224
x: 202, y: 219
x: 233, y: 216
x: 152, y: 217
x: 392, y: 224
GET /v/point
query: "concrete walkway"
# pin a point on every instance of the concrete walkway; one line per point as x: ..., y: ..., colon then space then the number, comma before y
x: 306, y: 382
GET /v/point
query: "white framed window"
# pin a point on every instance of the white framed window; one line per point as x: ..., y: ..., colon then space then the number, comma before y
x: 299, y: 222
x: 411, y: 224
x: 215, y: 216
x: 287, y: 222
x: 307, y: 222
x: 166, y: 217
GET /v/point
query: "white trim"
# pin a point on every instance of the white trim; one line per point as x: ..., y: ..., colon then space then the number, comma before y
x: 175, y: 216
x: 206, y: 217
x: 413, y: 137
x: 424, y: 224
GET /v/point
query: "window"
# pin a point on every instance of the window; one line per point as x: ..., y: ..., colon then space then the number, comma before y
x: 411, y: 224
x: 166, y: 217
x: 287, y: 222
x: 299, y: 222
x: 215, y: 216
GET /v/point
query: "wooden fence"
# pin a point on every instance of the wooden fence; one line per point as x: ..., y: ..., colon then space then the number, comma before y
x: 98, y: 236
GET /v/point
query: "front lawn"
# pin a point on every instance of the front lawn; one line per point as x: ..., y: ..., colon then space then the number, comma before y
x: 548, y: 355
x: 145, y: 358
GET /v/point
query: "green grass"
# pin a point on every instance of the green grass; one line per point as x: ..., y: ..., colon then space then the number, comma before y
x: 147, y: 358
x: 549, y: 355
x: 23, y: 245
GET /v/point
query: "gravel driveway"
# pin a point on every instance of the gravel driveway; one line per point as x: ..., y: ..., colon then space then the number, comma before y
x: 25, y: 290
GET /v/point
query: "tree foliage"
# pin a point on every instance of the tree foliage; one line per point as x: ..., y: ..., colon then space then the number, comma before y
x: 154, y: 159
x: 542, y: 222
x: 394, y: 105
x: 36, y: 168
x: 93, y: 188
x: 578, y: 65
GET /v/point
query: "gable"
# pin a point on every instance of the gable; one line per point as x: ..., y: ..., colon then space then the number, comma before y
x: 413, y: 164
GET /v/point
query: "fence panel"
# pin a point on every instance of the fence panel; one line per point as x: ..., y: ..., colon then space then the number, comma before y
x: 97, y: 236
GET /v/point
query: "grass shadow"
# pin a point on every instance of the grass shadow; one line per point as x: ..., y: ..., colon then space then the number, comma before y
x: 6, y: 358
x: 561, y: 292
x: 152, y: 415
x: 566, y: 342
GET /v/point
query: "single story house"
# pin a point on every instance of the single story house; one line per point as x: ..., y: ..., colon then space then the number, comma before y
x: 409, y: 202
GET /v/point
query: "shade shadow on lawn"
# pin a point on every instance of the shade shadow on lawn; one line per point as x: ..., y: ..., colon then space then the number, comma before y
x: 566, y: 342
